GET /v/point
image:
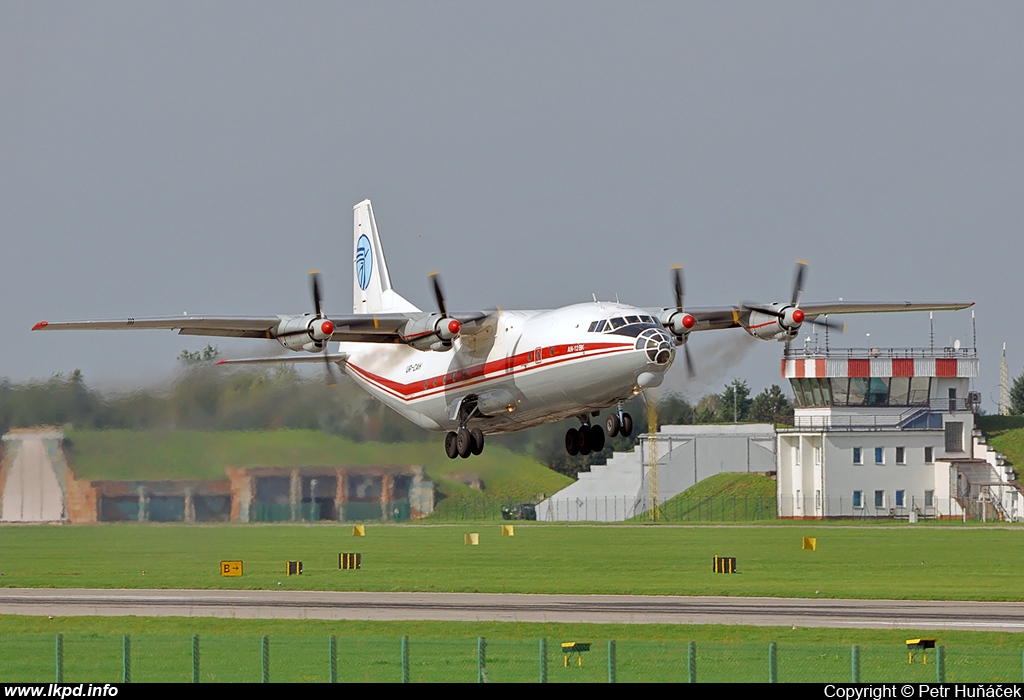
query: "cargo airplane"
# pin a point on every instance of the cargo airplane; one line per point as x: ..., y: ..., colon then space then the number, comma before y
x: 471, y: 373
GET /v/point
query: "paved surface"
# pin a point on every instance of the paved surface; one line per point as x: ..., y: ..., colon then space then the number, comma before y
x: 338, y: 605
x: 31, y: 492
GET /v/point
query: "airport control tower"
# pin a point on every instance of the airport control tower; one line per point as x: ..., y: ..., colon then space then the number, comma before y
x: 888, y: 432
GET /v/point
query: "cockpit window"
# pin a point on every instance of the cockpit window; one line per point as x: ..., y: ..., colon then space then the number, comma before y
x: 601, y: 326
x: 647, y: 319
x: 593, y: 327
x: 632, y: 319
x: 617, y: 322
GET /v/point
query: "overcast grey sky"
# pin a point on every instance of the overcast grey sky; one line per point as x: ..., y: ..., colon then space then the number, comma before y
x: 191, y: 156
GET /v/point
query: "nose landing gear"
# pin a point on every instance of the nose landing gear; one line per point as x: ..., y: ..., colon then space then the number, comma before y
x: 619, y: 424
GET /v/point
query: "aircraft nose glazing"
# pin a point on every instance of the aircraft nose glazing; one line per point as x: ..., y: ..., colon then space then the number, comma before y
x: 658, y: 346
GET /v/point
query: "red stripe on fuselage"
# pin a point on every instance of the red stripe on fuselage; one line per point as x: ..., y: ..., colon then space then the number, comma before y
x: 477, y: 374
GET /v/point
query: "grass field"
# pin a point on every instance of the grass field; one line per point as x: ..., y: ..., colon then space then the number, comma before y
x: 1006, y: 434
x: 895, y: 562
x: 726, y: 497
x: 851, y: 562
x: 447, y: 651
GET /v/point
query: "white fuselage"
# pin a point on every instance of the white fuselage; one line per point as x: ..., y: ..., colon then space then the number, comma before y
x: 549, y: 365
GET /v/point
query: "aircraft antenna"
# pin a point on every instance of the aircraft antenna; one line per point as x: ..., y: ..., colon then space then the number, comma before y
x: 652, y: 458
x: 1004, y: 386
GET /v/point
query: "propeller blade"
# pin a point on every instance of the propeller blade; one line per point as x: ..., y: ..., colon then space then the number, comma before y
x: 332, y: 378
x: 761, y: 309
x: 677, y: 278
x: 798, y: 282
x: 826, y: 321
x: 318, y: 305
x: 438, y: 294
x: 690, y: 372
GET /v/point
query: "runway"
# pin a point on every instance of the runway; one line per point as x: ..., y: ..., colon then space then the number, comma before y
x: 479, y: 607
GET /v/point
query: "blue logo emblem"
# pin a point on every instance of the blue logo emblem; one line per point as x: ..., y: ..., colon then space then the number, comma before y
x: 364, y: 262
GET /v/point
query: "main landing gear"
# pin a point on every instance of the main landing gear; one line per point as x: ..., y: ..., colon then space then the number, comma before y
x: 590, y: 438
x: 464, y: 442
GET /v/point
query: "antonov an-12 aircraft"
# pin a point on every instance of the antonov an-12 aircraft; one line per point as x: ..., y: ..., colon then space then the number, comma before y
x: 480, y: 372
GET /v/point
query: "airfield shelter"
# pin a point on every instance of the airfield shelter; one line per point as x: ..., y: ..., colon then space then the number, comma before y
x: 38, y: 484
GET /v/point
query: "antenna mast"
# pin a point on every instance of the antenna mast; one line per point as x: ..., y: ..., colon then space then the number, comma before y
x: 1004, y: 386
x: 652, y: 458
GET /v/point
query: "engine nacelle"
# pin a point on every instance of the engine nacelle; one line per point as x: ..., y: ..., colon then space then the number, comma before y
x: 431, y: 332
x: 678, y: 323
x: 306, y: 332
x: 770, y: 327
x: 495, y: 401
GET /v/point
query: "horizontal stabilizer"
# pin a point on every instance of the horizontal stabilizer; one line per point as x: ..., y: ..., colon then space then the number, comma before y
x: 285, y: 359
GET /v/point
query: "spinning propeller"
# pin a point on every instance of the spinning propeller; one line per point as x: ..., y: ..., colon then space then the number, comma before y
x: 447, y: 328
x: 791, y: 317
x: 321, y: 328
x: 680, y: 322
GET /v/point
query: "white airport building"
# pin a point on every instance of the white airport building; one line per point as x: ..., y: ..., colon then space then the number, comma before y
x: 888, y: 432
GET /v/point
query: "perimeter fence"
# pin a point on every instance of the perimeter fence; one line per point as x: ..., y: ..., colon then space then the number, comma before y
x: 82, y: 658
x: 716, y: 509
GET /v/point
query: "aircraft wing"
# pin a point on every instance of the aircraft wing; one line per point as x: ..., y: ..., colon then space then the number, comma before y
x: 364, y: 328
x: 813, y: 309
x: 718, y: 317
x: 226, y: 326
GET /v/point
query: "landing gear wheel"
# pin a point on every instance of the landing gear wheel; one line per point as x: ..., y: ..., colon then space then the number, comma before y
x: 612, y: 425
x: 596, y: 438
x: 627, y: 425
x: 450, y: 447
x: 477, y: 445
x: 572, y: 444
x: 464, y: 442
x: 584, y: 439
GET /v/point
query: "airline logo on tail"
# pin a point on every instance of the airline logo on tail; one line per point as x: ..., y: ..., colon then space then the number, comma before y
x: 364, y: 262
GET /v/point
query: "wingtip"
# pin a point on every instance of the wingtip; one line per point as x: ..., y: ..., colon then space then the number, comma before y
x: 40, y: 325
x: 220, y: 362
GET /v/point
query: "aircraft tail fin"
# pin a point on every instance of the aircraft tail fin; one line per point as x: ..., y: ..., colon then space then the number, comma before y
x: 371, y: 283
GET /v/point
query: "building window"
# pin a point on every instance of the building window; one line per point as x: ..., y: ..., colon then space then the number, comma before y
x: 796, y: 453
x: 879, y: 499
x: 929, y: 499
x: 899, y: 391
x: 900, y: 495
x: 929, y: 455
x: 817, y: 455
x: 858, y: 499
x: 954, y: 436
x: 858, y: 458
x: 901, y: 455
x: 879, y: 455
